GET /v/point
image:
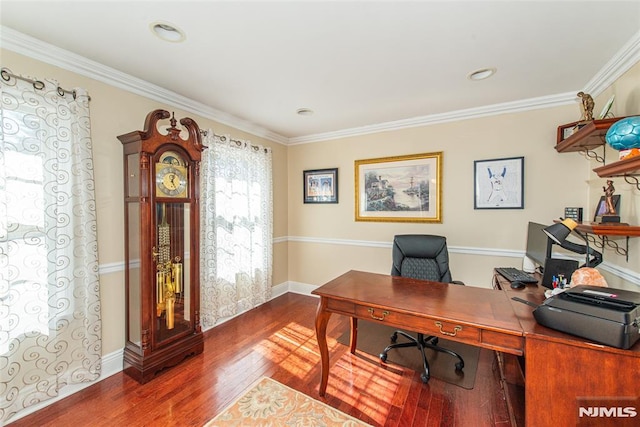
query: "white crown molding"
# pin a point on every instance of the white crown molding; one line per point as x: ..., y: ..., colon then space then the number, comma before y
x: 50, y: 54
x: 20, y: 43
x: 627, y: 57
x: 471, y: 113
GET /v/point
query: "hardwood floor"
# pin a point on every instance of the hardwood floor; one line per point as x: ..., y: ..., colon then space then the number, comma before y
x: 277, y: 340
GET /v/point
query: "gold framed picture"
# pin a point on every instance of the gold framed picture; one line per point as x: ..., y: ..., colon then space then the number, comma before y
x: 399, y: 189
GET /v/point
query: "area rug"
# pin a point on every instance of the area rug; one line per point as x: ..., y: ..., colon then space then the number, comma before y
x: 374, y: 337
x: 269, y: 403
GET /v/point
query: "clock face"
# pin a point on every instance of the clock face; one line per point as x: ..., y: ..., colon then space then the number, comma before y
x: 171, y: 176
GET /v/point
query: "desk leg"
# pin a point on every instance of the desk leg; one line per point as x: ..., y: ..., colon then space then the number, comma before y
x: 353, y: 340
x: 322, y: 318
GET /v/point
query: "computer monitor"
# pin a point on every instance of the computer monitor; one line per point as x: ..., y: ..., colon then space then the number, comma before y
x: 538, y: 244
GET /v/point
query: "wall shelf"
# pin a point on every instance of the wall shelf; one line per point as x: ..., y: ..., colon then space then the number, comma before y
x: 610, y: 230
x: 588, y: 137
x: 591, y: 135
x: 604, y: 231
x: 626, y: 168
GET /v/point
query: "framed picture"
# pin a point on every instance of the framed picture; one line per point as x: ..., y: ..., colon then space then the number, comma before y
x: 499, y: 183
x: 399, y: 189
x: 565, y: 131
x: 320, y: 186
x: 601, y: 208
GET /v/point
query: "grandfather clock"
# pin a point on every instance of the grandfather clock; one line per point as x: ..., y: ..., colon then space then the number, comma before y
x: 162, y: 240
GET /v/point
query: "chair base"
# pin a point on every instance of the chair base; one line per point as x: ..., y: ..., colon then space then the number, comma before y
x: 421, y: 343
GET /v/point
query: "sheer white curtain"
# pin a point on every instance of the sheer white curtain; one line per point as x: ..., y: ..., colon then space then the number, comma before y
x: 50, y: 327
x: 236, y: 227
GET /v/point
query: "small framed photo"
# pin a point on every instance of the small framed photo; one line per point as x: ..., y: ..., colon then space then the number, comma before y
x: 320, y: 186
x: 565, y: 131
x: 499, y: 183
x: 601, y: 208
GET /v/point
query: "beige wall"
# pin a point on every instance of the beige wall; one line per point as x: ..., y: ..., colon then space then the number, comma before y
x: 329, y: 241
x: 115, y: 112
x: 315, y: 243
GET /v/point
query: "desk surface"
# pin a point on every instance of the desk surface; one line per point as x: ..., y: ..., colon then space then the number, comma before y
x: 468, y: 305
x: 480, y: 317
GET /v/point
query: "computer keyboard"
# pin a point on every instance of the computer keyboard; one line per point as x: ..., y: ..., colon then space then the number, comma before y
x: 514, y: 275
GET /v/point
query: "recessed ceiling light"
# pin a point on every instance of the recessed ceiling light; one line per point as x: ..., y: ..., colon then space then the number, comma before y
x: 167, y: 32
x: 481, y: 74
x: 305, y: 111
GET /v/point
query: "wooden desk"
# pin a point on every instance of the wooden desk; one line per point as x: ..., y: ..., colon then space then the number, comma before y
x: 564, y: 368
x: 562, y: 372
x: 481, y: 317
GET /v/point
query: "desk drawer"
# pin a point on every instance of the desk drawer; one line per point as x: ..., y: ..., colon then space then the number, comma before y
x: 425, y: 325
x: 339, y: 306
x: 513, y: 344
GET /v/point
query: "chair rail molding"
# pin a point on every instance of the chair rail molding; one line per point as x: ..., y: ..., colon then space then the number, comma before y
x: 616, y: 270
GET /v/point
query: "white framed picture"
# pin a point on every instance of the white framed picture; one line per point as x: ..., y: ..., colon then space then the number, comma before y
x: 499, y: 183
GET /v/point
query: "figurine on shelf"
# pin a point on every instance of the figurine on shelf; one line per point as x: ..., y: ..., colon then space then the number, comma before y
x: 587, y: 107
x: 610, y: 215
x: 609, y: 191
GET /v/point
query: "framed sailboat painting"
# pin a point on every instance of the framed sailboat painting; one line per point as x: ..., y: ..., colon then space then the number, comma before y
x: 399, y: 189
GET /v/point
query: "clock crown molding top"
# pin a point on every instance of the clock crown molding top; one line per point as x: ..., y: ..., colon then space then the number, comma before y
x: 152, y: 138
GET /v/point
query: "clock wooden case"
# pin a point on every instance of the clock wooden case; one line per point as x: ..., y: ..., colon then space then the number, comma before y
x: 162, y: 240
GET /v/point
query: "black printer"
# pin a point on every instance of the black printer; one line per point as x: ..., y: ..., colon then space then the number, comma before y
x: 605, y: 315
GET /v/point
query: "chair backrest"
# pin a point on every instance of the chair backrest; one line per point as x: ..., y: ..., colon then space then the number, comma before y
x: 421, y: 256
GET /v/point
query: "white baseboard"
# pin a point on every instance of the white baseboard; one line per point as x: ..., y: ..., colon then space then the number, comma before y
x: 111, y: 364
x: 301, y: 288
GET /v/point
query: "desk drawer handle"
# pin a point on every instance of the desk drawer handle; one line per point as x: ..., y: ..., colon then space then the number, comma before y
x: 373, y: 316
x: 456, y: 329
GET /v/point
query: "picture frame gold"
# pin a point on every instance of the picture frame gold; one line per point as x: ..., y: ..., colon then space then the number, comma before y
x: 399, y: 189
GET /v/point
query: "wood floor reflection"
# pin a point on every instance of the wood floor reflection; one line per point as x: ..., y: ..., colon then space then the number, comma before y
x: 278, y: 340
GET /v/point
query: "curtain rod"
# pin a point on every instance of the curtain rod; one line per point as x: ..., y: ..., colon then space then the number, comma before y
x: 37, y: 84
x: 238, y: 142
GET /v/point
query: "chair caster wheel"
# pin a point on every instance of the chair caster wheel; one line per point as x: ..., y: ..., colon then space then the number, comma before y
x: 383, y: 357
x: 459, y: 366
x: 394, y: 337
x: 424, y: 377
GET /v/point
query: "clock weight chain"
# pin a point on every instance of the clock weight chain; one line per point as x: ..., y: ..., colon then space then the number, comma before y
x: 168, y: 274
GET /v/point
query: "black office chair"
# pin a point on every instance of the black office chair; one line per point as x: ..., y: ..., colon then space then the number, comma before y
x: 424, y: 257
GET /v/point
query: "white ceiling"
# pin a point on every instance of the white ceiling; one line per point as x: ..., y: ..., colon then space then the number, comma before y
x: 360, y: 65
